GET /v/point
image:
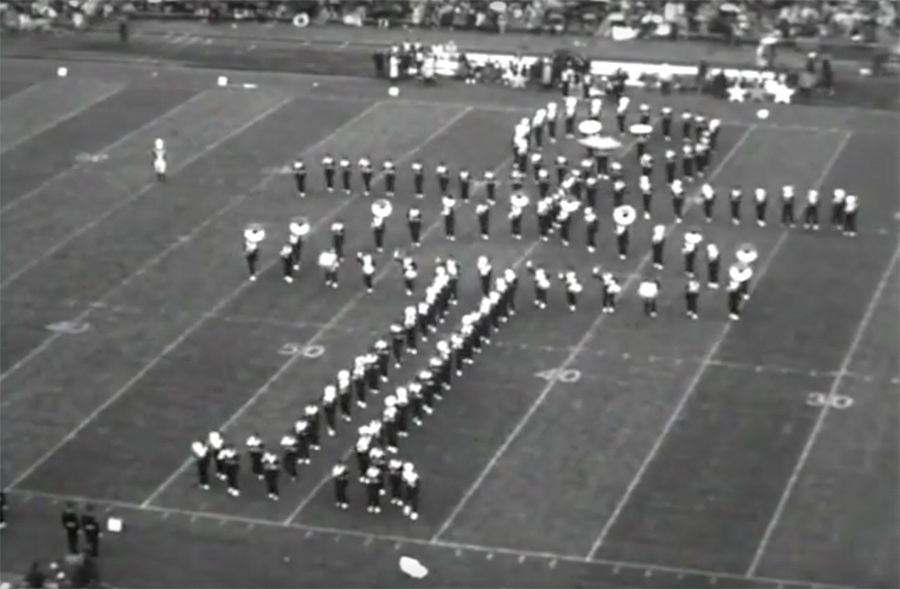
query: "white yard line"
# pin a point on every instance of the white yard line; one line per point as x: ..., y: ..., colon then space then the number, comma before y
x: 576, y: 351
x: 221, y: 304
x: 367, y: 538
x: 820, y: 420
x: 692, y: 386
x: 108, y: 148
x: 336, y: 319
x: 181, y: 241
x: 136, y: 195
x: 49, y: 124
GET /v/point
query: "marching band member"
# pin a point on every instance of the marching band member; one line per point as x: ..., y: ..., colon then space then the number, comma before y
x: 411, y: 492
x: 644, y: 116
x: 760, y: 201
x: 811, y: 211
x: 311, y: 414
x: 573, y: 287
x: 231, y: 465
x: 490, y: 186
x: 418, y: 179
x: 552, y: 114
x: 390, y: 178
x: 787, y: 205
x: 687, y: 120
x: 346, y: 174
x: 595, y: 107
x: 443, y: 177
x: 295, y: 239
x: 734, y: 300
x: 640, y: 144
x: 537, y: 127
x: 601, y: 158
x: 689, y: 249
x: 372, y: 482
x: 691, y: 298
x: 851, y: 208
x: 700, y: 126
x: 397, y: 339
x: 410, y: 273
x: 251, y: 253
x: 649, y: 292
x: 671, y: 162
x: 290, y: 454
x: 590, y: 191
x: 344, y: 387
x: 646, y: 188
x: 449, y: 213
x: 714, y: 126
x: 465, y: 180
x: 562, y: 168
x: 687, y: 161
x: 544, y: 218
x: 622, y: 112
x: 618, y: 192
x: 665, y: 123
x: 395, y: 480
x: 622, y: 240
x: 564, y: 219
x: 159, y: 159
x: 543, y: 182
x: 678, y: 200
x: 330, y: 262
x: 837, y: 207
x: 646, y: 163
x: 735, y: 201
x: 410, y: 321
x: 616, y: 171
x: 202, y: 456
x: 368, y: 270
x: 328, y: 168
x: 591, y: 227
x: 541, y: 284
x: 517, y: 204
x: 516, y: 181
x: 329, y: 408
x: 271, y: 471
x: 571, y: 104
x: 379, y: 225
x: 658, y: 246
x: 483, y: 213
x: 512, y: 285
x: 299, y: 170
x: 712, y: 266
x: 485, y: 273
x: 301, y: 431
x: 365, y: 172
x: 701, y: 157
x: 340, y: 474
x: 216, y: 444
x: 709, y: 201
x: 287, y: 263
x: 337, y: 239
x: 452, y: 268
x: 414, y: 222
x: 611, y: 289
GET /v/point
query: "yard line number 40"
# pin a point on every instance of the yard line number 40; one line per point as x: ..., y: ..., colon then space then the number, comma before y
x: 566, y: 375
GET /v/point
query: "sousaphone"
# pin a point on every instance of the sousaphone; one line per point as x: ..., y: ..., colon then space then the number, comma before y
x: 254, y: 233
x: 382, y: 208
x: 299, y: 226
x: 746, y: 253
x: 740, y: 272
x: 624, y: 215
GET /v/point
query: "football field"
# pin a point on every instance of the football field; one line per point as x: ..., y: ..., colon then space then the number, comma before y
x: 581, y: 449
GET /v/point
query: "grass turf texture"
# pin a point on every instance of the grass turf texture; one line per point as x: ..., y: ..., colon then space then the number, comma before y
x: 662, y: 464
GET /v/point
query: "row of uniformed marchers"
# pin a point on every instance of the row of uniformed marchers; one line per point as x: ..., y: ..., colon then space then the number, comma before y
x: 408, y: 404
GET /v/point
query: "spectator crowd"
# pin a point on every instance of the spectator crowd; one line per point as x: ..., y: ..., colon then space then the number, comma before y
x: 868, y: 21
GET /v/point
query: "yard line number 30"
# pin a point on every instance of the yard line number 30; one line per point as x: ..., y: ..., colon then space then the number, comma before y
x: 295, y: 349
x: 826, y: 400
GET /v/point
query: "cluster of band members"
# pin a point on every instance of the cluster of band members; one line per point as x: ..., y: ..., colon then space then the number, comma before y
x: 561, y: 189
x: 377, y: 446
